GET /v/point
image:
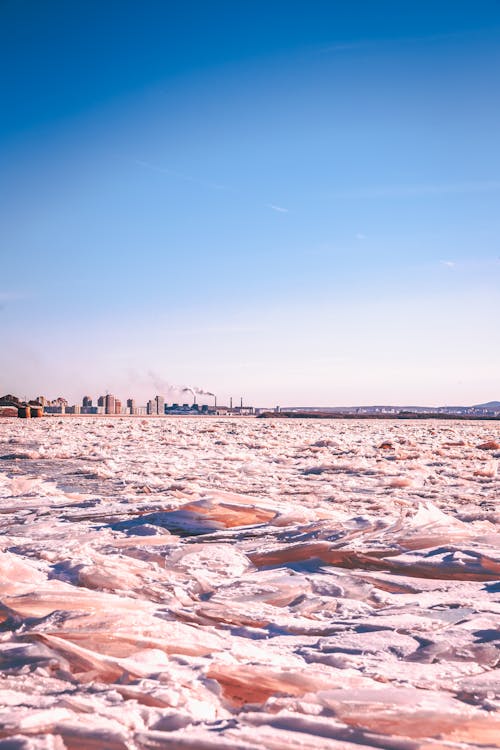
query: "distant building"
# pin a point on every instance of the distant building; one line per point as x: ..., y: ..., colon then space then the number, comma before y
x: 9, y: 400
x: 41, y: 400
x: 131, y: 407
x: 160, y: 404
x: 118, y: 406
x: 60, y: 401
x: 182, y: 409
x: 150, y: 407
x: 243, y: 410
x: 110, y: 403
x: 51, y: 409
x: 86, y: 401
x: 8, y: 411
x: 58, y: 406
x: 75, y: 409
x: 10, y: 406
x: 91, y: 409
x: 101, y: 401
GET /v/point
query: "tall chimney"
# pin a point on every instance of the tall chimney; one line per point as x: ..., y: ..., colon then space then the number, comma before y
x: 231, y: 402
x: 241, y: 402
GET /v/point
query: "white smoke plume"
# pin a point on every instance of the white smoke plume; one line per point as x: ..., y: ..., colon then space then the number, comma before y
x: 196, y: 391
x: 202, y: 392
x: 164, y: 387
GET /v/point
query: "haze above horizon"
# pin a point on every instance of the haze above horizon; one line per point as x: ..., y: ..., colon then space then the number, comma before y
x: 297, y: 203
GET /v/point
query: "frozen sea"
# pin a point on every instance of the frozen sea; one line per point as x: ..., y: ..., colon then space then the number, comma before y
x: 204, y: 583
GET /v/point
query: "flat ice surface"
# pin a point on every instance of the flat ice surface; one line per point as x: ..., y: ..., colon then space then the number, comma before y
x: 248, y: 584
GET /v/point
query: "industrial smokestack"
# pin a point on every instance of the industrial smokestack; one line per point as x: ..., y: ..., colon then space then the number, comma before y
x: 241, y: 402
x: 231, y: 402
x: 215, y: 401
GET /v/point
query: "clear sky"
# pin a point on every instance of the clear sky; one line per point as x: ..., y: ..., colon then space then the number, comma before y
x: 293, y: 202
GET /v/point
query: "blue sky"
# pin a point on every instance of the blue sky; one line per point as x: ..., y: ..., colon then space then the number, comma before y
x: 294, y: 202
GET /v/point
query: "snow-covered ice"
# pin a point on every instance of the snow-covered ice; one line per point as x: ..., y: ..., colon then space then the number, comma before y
x: 243, y: 583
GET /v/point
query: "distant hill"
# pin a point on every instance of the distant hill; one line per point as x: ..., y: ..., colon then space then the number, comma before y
x: 493, y: 406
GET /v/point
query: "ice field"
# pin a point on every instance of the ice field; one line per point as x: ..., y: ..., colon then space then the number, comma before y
x: 204, y: 583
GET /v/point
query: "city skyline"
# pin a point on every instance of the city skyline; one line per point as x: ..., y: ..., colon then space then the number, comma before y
x: 300, y: 199
x: 112, y: 405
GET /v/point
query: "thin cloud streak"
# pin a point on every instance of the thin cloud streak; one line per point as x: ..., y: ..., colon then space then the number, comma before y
x: 408, y: 191
x: 195, y: 181
x: 362, y: 44
x: 181, y: 176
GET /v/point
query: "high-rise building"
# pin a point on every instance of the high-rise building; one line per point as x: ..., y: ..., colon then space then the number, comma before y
x: 101, y: 401
x: 131, y: 406
x: 110, y: 404
x: 59, y: 405
x: 160, y: 404
x: 151, y: 407
x: 87, y: 401
x: 118, y: 406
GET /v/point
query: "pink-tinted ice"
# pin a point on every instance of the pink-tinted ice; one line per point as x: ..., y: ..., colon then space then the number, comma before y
x: 249, y: 584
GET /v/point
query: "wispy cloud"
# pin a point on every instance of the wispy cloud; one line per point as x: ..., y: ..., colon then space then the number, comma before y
x: 344, y: 46
x: 180, y: 176
x: 403, y: 191
x: 360, y: 236
x: 196, y: 181
x: 362, y: 44
x: 473, y: 265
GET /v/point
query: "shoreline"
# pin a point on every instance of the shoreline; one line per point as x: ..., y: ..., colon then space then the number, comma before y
x: 287, y: 415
